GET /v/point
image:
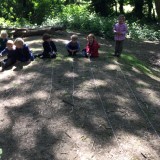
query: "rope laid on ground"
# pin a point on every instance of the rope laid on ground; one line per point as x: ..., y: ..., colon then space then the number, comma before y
x: 139, y: 105
x: 102, y: 105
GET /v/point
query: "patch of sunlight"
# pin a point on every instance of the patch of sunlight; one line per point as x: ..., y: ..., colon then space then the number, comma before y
x: 136, y: 146
x: 128, y: 8
x: 135, y: 70
x: 152, y: 42
x: 36, y: 49
x: 122, y: 100
x: 69, y: 59
x: 15, y: 101
x: 151, y: 95
x: 61, y: 40
x: 34, y: 41
x: 5, y: 120
x: 99, y: 82
x: 111, y: 67
x: 154, y: 77
x: 40, y: 95
x: 141, y: 83
x: 71, y: 75
x: 1, y: 152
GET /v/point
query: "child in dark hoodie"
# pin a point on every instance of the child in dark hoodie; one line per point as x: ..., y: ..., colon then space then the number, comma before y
x: 11, y: 56
x: 49, y: 48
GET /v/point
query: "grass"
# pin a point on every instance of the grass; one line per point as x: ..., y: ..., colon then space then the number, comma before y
x: 132, y: 61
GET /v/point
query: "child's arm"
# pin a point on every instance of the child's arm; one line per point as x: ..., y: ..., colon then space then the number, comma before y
x: 3, y: 52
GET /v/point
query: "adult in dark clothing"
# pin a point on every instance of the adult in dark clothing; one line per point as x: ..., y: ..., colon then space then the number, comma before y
x: 49, y: 48
x: 11, y: 55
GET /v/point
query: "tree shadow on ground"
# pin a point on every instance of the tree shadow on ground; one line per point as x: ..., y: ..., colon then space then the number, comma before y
x: 103, y: 111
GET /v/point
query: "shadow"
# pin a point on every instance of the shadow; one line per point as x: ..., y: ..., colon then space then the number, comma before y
x: 88, y: 101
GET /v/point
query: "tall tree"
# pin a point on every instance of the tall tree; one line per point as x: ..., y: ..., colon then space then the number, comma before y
x: 138, y: 9
x: 103, y: 7
x: 150, y: 7
x: 121, y: 3
x: 157, y: 3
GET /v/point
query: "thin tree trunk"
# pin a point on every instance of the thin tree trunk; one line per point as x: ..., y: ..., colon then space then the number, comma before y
x: 157, y: 3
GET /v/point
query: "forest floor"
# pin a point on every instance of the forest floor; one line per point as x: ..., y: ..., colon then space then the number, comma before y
x: 81, y: 109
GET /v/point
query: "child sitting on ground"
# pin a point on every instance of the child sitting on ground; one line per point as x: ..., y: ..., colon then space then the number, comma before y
x: 73, y: 46
x: 23, y: 53
x: 11, y: 57
x: 91, y: 49
x: 49, y: 48
x: 3, y: 40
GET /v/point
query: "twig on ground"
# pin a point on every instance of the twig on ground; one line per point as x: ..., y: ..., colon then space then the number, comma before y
x: 67, y: 135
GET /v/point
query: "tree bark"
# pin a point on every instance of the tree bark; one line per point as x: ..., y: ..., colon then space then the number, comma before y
x: 157, y: 3
x: 138, y: 10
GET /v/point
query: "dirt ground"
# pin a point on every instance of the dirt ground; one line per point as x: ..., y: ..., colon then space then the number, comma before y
x: 82, y: 109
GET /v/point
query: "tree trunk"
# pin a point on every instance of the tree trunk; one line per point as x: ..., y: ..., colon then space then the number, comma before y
x: 27, y: 32
x: 138, y: 10
x: 150, y: 7
x: 121, y: 2
x: 157, y: 3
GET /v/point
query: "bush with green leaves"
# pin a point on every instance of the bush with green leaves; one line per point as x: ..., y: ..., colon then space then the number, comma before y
x: 79, y: 17
x: 143, y: 32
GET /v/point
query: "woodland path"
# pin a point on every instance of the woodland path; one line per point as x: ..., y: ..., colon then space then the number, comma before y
x: 82, y: 109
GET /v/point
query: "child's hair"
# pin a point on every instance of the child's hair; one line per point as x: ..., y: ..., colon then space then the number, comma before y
x: 19, y: 41
x: 4, y: 33
x: 46, y: 36
x: 10, y: 42
x: 91, y: 35
x: 74, y: 37
x: 121, y: 16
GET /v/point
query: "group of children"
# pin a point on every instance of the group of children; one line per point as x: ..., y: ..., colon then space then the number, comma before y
x: 18, y: 51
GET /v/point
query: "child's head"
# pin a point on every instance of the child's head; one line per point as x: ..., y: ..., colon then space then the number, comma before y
x: 19, y: 42
x: 74, y: 38
x: 46, y: 37
x: 10, y: 44
x: 4, y: 34
x: 90, y: 38
x: 121, y: 18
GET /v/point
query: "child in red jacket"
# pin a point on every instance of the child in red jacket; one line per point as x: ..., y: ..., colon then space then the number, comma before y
x: 91, y: 49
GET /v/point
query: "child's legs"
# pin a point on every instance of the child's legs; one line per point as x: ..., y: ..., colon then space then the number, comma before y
x: 69, y: 53
x: 84, y: 53
x: 8, y: 62
x: 118, y: 47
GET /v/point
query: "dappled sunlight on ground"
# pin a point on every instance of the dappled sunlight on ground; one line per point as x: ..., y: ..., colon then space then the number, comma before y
x: 71, y: 108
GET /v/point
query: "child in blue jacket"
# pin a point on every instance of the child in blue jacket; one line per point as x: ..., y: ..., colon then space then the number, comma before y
x: 23, y: 53
x: 11, y: 55
x: 73, y: 46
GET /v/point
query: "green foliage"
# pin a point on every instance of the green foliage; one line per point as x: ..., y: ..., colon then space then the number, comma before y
x: 132, y: 61
x: 143, y: 32
x: 79, y: 17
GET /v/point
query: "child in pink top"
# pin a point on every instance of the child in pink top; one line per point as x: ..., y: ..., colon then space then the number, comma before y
x: 91, y: 49
x: 120, y: 30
